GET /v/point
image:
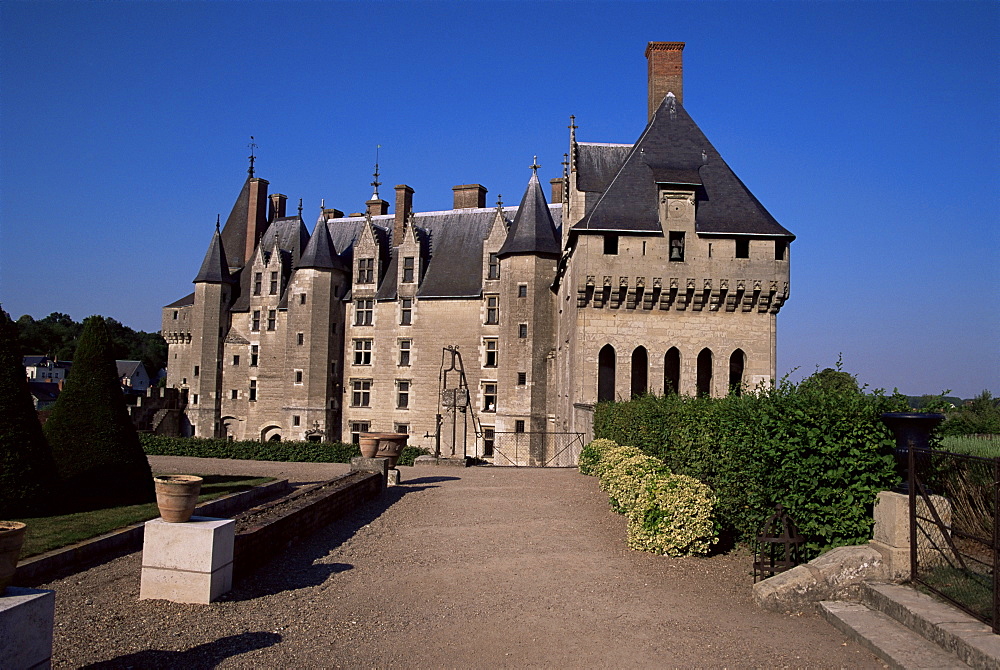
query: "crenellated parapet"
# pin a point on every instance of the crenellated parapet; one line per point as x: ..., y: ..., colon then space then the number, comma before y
x: 682, y: 294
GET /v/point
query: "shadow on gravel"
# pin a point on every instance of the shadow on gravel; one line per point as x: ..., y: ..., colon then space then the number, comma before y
x: 299, y: 566
x: 428, y: 480
x: 207, y: 655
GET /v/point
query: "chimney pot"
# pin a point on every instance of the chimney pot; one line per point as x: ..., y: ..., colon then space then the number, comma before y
x: 277, y: 206
x: 557, y: 189
x: 469, y: 196
x: 331, y: 213
x: 377, y: 207
x: 404, y: 205
x: 665, y: 72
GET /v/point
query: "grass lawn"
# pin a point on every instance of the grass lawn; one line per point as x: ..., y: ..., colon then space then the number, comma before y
x: 45, y: 533
x: 974, y: 445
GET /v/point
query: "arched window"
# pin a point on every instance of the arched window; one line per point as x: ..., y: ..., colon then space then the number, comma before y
x: 672, y: 371
x: 737, y: 363
x: 705, y: 372
x: 640, y: 371
x: 606, y: 373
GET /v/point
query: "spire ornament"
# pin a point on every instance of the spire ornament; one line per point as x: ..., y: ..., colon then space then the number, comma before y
x: 376, y: 183
x: 253, y: 157
x: 217, y: 218
x: 300, y: 208
x: 535, y: 166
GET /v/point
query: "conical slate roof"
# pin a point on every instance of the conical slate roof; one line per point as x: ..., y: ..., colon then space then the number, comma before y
x: 673, y: 150
x: 320, y: 253
x: 533, y: 231
x: 214, y: 269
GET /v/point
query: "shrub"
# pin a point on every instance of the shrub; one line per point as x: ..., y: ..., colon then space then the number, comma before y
x: 27, y: 471
x: 591, y: 454
x: 625, y: 474
x: 95, y: 446
x: 672, y: 515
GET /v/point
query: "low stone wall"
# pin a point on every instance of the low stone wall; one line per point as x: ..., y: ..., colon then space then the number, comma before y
x: 302, y: 517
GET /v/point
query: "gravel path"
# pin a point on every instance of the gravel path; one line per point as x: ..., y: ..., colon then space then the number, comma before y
x: 463, y: 568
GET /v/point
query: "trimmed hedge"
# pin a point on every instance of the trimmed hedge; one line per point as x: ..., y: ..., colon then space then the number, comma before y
x: 250, y: 450
x: 667, y: 513
x: 818, y: 448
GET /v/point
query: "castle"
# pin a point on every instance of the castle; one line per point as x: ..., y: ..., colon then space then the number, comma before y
x: 651, y: 268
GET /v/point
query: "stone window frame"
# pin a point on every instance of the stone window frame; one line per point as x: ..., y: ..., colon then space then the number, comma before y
x: 522, y: 290
x: 489, y: 440
x: 273, y: 288
x: 522, y: 378
x: 364, y: 312
x: 366, y: 270
x: 405, y: 353
x: 252, y: 397
x: 401, y: 428
x: 300, y: 339
x: 296, y: 420
x: 492, y: 309
x: 362, y: 347
x: 236, y: 360
x: 489, y: 389
x: 361, y: 392
x: 409, y: 266
x: 491, y: 351
x: 234, y: 394
x: 518, y: 425
x: 298, y: 377
x: 258, y: 282
x: 522, y: 330
x: 406, y: 311
x: 272, y: 320
x: 358, y: 427
x: 403, y: 388
x: 493, y: 265
x: 254, y: 355
x: 255, y: 321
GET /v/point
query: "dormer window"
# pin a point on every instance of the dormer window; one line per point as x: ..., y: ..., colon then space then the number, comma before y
x: 408, y: 270
x: 493, y: 267
x: 366, y: 270
x: 677, y: 245
x: 274, y: 283
x: 257, y: 280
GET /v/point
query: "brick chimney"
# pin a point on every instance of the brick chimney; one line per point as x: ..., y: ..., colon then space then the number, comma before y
x: 377, y: 207
x: 665, y: 68
x: 332, y: 213
x: 469, y: 196
x: 256, y: 216
x: 277, y: 206
x: 404, y: 205
x: 557, y: 189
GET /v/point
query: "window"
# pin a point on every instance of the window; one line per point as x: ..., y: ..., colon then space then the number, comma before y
x: 401, y: 428
x: 358, y: 427
x: 522, y: 378
x: 361, y: 392
x: 676, y: 245
x: 408, y: 270
x: 175, y: 315
x: 255, y: 321
x: 493, y: 267
x: 606, y: 373
x: 254, y: 350
x: 298, y: 376
x: 296, y: 420
x: 610, y: 245
x: 300, y: 339
x: 363, y: 352
x: 743, y: 248
x: 522, y: 330
x: 489, y: 438
x: 274, y: 283
x: 272, y: 317
x: 490, y: 397
x: 522, y: 290
x: 491, y: 353
x: 253, y: 390
x: 234, y: 394
x: 236, y: 359
x: 194, y: 399
x: 196, y: 370
x: 257, y: 280
x: 404, y: 352
x: 366, y: 270
x: 405, y: 311
x: 519, y: 425
x: 302, y: 298
x: 779, y: 252
x: 492, y: 309
x: 402, y: 394
x: 363, y: 310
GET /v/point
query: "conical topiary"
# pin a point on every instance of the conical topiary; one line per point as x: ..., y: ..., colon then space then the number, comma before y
x: 95, y: 445
x: 27, y: 471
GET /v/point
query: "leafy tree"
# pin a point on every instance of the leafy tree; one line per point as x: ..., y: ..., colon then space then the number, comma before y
x: 981, y: 415
x: 96, y: 447
x: 27, y: 471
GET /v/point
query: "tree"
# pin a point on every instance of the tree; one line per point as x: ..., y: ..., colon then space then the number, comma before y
x: 831, y: 379
x: 95, y: 445
x: 27, y: 471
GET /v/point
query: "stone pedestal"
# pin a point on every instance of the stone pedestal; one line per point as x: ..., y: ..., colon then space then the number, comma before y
x: 377, y: 465
x: 892, y: 532
x: 393, y: 477
x: 188, y: 562
x: 26, y: 619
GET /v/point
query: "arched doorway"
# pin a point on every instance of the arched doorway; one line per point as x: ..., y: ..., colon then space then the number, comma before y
x: 704, y: 381
x: 606, y: 373
x: 271, y: 434
x: 737, y: 364
x: 640, y: 371
x: 672, y: 371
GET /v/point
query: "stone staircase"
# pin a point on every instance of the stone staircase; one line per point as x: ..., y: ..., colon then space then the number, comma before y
x: 908, y: 629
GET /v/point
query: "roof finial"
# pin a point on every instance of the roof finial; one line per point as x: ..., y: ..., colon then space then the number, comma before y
x: 253, y: 147
x: 322, y: 203
x: 565, y: 166
x: 499, y: 201
x: 535, y: 166
x: 376, y: 183
x: 572, y: 142
x: 300, y: 208
x: 217, y: 217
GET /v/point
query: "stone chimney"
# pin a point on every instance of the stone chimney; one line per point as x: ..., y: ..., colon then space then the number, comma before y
x: 331, y: 213
x: 256, y: 216
x: 557, y: 189
x: 469, y: 196
x: 277, y: 206
x: 377, y: 207
x: 404, y: 205
x: 665, y: 68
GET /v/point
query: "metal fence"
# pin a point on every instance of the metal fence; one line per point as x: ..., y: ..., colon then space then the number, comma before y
x: 954, y: 532
x: 526, y: 449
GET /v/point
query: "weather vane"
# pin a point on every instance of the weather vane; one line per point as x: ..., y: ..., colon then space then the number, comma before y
x: 253, y: 147
x: 376, y: 183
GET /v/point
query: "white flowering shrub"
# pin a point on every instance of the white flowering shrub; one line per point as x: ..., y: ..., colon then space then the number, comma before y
x: 626, y: 475
x: 672, y: 515
x: 591, y: 454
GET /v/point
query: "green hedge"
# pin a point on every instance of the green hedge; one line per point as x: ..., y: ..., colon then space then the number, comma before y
x: 250, y: 450
x: 818, y: 448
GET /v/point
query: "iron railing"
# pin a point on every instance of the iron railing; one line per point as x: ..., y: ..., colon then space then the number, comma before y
x: 954, y: 531
x: 536, y: 449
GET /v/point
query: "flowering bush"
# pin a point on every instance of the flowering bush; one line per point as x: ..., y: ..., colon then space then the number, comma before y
x: 672, y: 515
x: 626, y: 475
x: 591, y: 454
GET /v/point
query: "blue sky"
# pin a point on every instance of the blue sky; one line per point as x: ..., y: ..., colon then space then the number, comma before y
x: 869, y: 129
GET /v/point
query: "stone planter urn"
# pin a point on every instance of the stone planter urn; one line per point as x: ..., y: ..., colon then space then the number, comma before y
x: 390, y: 446
x: 11, y: 540
x: 912, y: 431
x: 369, y: 444
x: 176, y: 496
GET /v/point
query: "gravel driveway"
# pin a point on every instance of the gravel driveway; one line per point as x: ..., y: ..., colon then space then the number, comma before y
x: 460, y: 568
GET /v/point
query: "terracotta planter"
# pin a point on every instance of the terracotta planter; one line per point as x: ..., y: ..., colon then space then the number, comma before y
x: 390, y: 445
x: 176, y: 496
x: 369, y: 444
x: 11, y: 539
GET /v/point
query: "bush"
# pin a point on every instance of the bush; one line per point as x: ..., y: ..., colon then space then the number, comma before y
x: 672, y: 515
x: 251, y: 450
x: 591, y: 454
x: 818, y: 447
x: 623, y: 473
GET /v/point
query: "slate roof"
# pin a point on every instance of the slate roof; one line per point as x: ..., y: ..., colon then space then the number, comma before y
x: 235, y: 231
x: 215, y: 267
x: 129, y: 368
x: 673, y: 150
x: 533, y: 231
x: 291, y: 234
x: 597, y: 164
x: 320, y: 252
x: 183, y: 302
x: 33, y: 361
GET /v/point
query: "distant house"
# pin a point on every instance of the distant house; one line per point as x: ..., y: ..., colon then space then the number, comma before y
x: 44, y: 393
x: 45, y: 369
x: 133, y: 376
